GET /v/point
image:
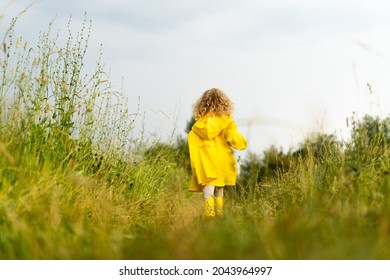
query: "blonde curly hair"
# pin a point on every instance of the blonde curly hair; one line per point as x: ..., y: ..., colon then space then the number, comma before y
x: 213, y: 102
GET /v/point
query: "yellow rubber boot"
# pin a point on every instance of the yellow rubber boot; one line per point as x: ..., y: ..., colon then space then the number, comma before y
x: 218, y: 206
x: 209, y: 207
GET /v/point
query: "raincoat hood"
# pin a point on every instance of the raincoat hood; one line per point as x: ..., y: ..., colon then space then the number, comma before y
x: 209, y: 127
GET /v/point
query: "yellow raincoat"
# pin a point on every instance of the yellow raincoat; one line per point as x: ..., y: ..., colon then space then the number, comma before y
x: 210, y: 144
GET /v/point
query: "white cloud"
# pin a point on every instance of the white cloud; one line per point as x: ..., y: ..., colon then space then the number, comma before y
x: 278, y: 60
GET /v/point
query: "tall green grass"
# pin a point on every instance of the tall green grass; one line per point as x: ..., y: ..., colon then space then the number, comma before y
x: 75, y: 185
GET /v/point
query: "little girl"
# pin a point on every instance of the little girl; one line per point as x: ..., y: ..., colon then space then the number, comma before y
x: 210, y: 144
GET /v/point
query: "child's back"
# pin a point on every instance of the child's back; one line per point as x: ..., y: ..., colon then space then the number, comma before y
x: 210, y: 141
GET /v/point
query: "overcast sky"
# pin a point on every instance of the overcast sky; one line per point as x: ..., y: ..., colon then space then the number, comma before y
x: 290, y: 67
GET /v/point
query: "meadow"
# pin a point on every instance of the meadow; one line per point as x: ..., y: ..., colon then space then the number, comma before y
x: 76, y: 183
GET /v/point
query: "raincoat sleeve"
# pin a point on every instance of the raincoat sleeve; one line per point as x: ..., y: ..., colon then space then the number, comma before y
x: 235, y: 139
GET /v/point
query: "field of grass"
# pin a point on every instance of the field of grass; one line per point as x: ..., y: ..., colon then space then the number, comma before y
x: 75, y: 185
